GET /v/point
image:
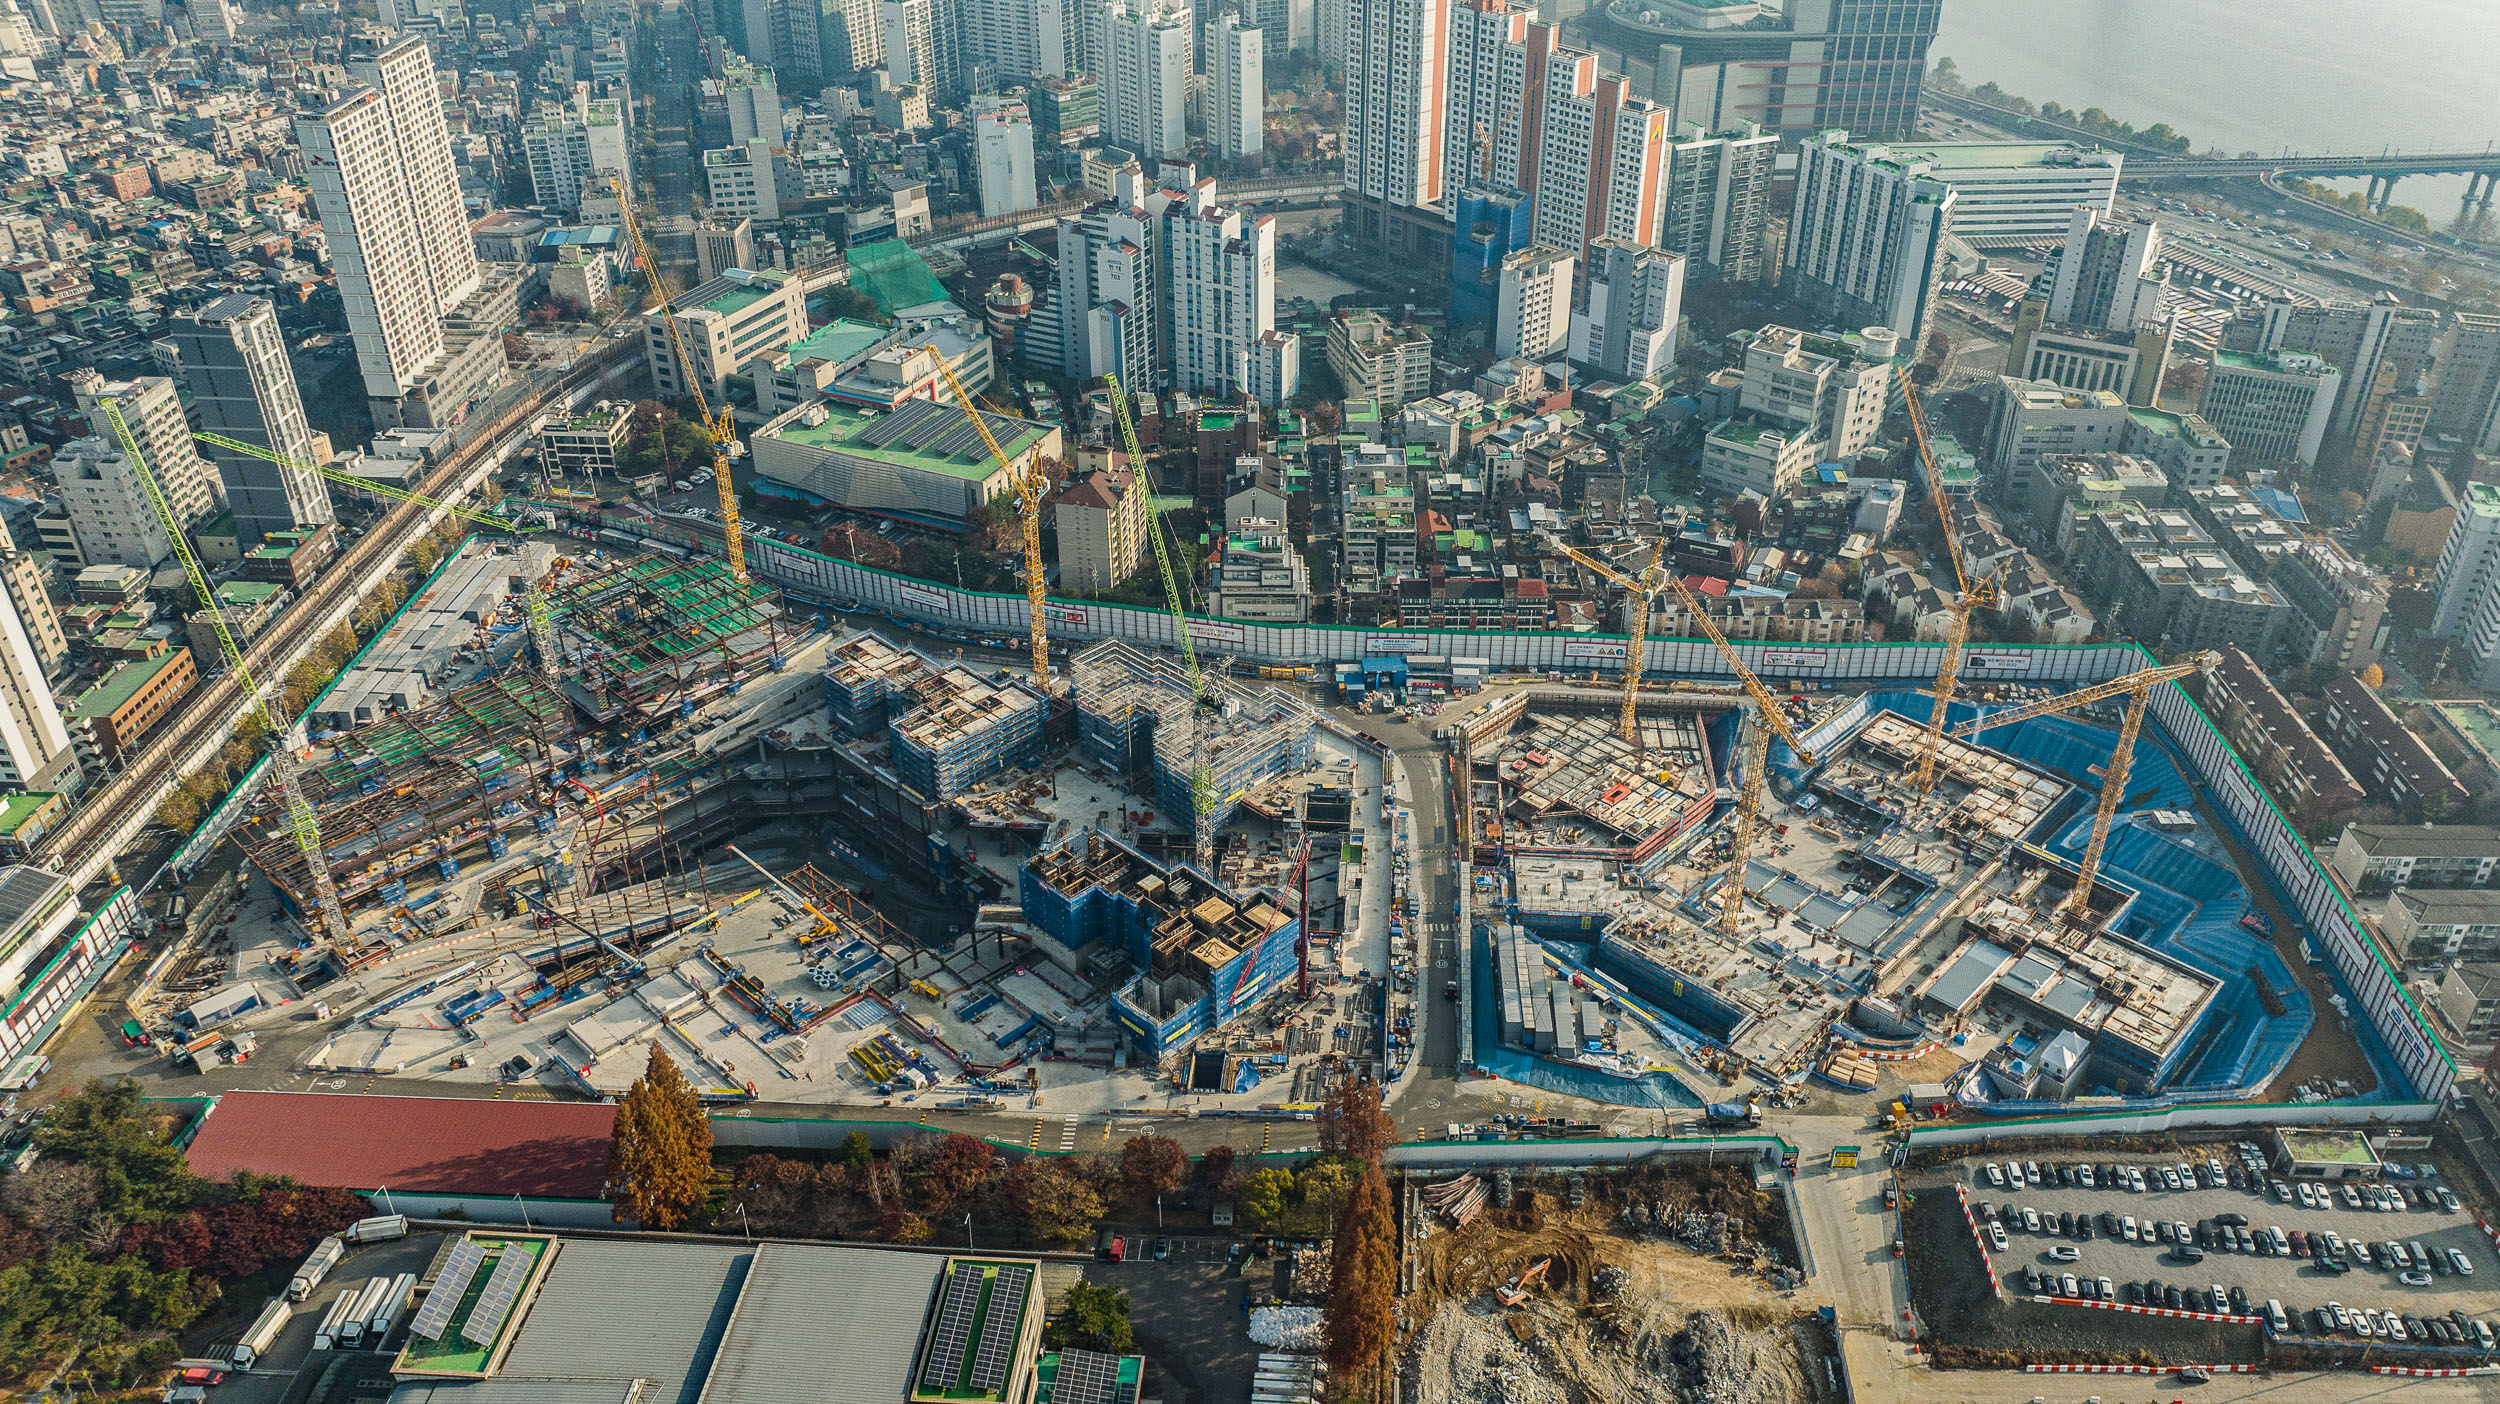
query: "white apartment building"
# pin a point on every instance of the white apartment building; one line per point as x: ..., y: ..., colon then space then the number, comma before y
x: 232, y: 357
x: 1237, y: 64
x: 1106, y: 292
x: 2467, y: 403
x: 1534, y: 316
x: 921, y: 45
x: 2274, y: 407
x: 2465, y: 590
x: 2356, y: 338
x: 151, y: 408
x: 1866, y: 234
x: 1601, y: 165
x: 1019, y: 40
x: 1379, y: 361
x: 1275, y: 367
x: 574, y: 157
x: 738, y: 182
x: 1003, y: 144
x: 1396, y: 120
x: 1838, y: 387
x: 1718, y: 202
x: 109, y: 509
x: 753, y: 95
x: 2011, y: 193
x: 1635, y: 299
x: 34, y: 741
x: 1485, y: 75
x: 1145, y: 93
x: 1219, y: 271
x: 2108, y: 273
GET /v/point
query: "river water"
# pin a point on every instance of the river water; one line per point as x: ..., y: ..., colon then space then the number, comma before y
x: 2254, y: 75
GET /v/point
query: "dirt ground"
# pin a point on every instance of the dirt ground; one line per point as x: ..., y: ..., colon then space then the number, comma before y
x: 1624, y: 1313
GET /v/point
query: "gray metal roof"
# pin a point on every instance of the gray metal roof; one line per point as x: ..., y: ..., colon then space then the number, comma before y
x: 506, y: 1390
x: 630, y: 1310
x: 824, y: 1325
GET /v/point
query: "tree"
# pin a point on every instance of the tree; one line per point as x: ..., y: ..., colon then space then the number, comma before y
x: 1095, y: 1318
x: 854, y: 1150
x: 2373, y: 676
x: 1944, y: 75
x: 1217, y: 1175
x: 55, y: 1198
x: 1055, y: 1198
x: 1353, y: 1123
x: 1362, y: 1280
x: 660, y: 1158
x: 1323, y: 1188
x: 1153, y: 1166
x: 953, y: 1170
x: 1261, y: 1207
x: 849, y: 302
x: 108, y: 1127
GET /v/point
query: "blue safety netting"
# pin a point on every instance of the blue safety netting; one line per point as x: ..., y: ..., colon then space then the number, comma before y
x: 1656, y: 1089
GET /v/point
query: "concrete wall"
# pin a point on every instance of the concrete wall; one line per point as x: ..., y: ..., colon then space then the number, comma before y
x: 2203, y: 1116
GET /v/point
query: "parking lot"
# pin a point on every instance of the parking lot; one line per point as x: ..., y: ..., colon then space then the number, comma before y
x: 2299, y: 1282
x: 1186, y: 1310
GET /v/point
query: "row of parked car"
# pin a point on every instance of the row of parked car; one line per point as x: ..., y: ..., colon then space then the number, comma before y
x: 2334, y: 1318
x: 2411, y: 1190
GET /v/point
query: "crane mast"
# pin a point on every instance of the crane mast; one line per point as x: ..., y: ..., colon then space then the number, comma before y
x: 721, y: 429
x: 329, y: 918
x: 1028, y: 483
x: 2137, y: 688
x: 1970, y: 598
x: 1202, y: 698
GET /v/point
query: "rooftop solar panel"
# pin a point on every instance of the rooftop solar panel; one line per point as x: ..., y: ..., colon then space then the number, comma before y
x: 954, y: 1329
x: 998, y: 1334
x: 1086, y: 1377
x: 462, y: 1265
x: 487, y: 1317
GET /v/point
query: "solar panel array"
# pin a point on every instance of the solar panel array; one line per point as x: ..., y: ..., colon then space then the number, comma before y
x: 954, y: 1329
x: 912, y: 423
x: 487, y: 1317
x: 448, y: 1285
x: 1086, y: 1377
x: 998, y: 1336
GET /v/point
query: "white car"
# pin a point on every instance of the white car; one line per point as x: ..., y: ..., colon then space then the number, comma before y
x: 1996, y: 1237
x: 2343, y: 1318
x: 2127, y: 1229
x: 2031, y: 1219
x: 2395, y: 1327
x: 2014, y: 1172
x: 2352, y: 1197
x: 2414, y: 1278
x: 2135, y: 1179
x: 2308, y: 1197
x: 2447, y: 1201
x: 1996, y: 1174
x: 2065, y: 1253
x: 2070, y: 1288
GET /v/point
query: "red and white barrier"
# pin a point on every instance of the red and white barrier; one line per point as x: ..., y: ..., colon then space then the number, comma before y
x: 2135, y: 1369
x: 2421, y: 1373
x: 1900, y: 1057
x: 1980, y: 1237
x: 2151, y: 1310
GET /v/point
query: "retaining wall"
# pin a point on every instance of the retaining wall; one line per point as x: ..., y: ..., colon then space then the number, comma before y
x: 2202, y: 1116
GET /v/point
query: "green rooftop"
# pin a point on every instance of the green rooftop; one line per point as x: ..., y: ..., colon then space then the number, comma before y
x: 453, y: 1353
x: 120, y: 685
x: 1218, y: 423
x: 245, y: 593
x: 16, y: 810
x: 1129, y: 1377
x: 876, y: 438
x: 2484, y: 498
x: 993, y: 1313
x: 2331, y: 1147
x: 838, y: 341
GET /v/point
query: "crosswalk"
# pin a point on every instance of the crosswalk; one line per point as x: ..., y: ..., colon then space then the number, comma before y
x: 1067, y: 1131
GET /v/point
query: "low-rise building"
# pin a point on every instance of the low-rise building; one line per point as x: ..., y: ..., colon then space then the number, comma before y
x: 1101, y: 518
x: 1260, y: 576
x: 2385, y: 755
x: 2374, y: 857
x: 921, y: 461
x: 1758, y: 454
x: 25, y: 818
x: 2339, y: 606
x: 588, y: 443
x: 2313, y: 786
x: 107, y: 721
x: 2425, y: 925
x: 2163, y: 580
x: 2469, y: 999
x: 1378, y: 360
x: 2066, y: 488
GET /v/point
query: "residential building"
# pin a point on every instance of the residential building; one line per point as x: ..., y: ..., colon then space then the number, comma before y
x: 1603, y: 164
x: 739, y: 183
x: 1003, y: 143
x: 588, y: 443
x: 1237, y: 62
x: 2187, y: 449
x: 1853, y: 65
x: 2108, y: 273
x: 1066, y: 111
x: 1718, y: 203
x: 2468, y: 400
x: 2376, y: 857
x: 1218, y: 274
x: 2166, y: 582
x: 1107, y: 291
x: 22, y: 576
x: 1378, y: 361
x: 1836, y: 388
x: 1757, y: 454
x: 2339, y: 606
x: 2274, y: 407
x: 1017, y: 41
x: 1635, y: 301
x: 1534, y: 318
x: 1866, y: 234
x: 1762, y: 619
x: 903, y: 107
x: 1493, y: 96
x: 1258, y: 575
x: 1395, y: 54
x: 107, y: 721
x: 2465, y: 589
x: 34, y: 742
x: 2037, y: 420
x: 2067, y: 489
x: 233, y: 358
x: 2354, y: 338
x: 2313, y: 787
x: 109, y: 508
x: 1275, y: 367
x: 2435, y: 925
x: 724, y: 324
x: 2235, y: 521
x: 2469, y: 999
x: 2391, y: 762
x: 921, y: 45
x: 574, y: 155
x: 1145, y: 85
x: 1101, y: 518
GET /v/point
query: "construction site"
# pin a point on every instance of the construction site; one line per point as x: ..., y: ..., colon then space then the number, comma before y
x: 1652, y: 1285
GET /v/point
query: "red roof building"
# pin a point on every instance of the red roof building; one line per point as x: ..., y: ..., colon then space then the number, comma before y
x: 421, y: 1145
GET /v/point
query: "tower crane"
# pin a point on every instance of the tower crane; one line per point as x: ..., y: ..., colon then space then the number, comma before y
x: 2137, y: 688
x: 1203, y: 703
x: 721, y: 429
x: 1029, y: 483
x: 1757, y: 737
x: 534, y: 596
x: 1642, y: 590
x: 1969, y: 599
x: 328, y: 917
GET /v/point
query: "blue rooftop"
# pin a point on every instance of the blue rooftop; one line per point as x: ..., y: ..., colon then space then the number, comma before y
x: 2281, y: 504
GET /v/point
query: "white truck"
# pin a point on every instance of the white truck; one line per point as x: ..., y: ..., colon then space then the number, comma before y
x: 382, y: 1318
x: 263, y: 1333
x: 326, y: 1335
x: 368, y: 1299
x: 324, y: 1256
x: 380, y: 1228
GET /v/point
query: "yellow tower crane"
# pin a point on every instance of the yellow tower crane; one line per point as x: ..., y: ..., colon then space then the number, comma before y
x: 1203, y: 702
x: 1971, y: 598
x: 328, y: 919
x: 1635, y: 648
x: 720, y: 428
x: 1771, y: 720
x: 2137, y: 688
x: 534, y: 596
x: 1029, y: 482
